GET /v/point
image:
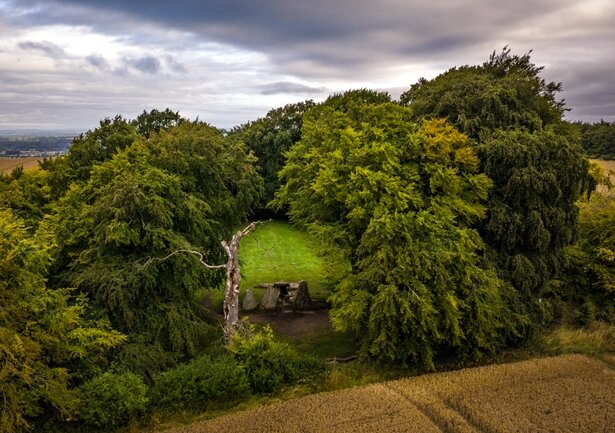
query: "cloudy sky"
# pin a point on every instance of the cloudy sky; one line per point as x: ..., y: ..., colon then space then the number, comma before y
x: 68, y: 63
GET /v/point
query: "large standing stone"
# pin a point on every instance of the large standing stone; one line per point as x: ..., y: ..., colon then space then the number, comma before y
x: 270, y: 299
x: 249, y: 302
x: 302, y: 297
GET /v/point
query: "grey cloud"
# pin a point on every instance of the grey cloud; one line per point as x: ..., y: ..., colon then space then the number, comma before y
x: 283, y: 87
x: 333, y: 43
x: 174, y: 65
x: 324, y: 31
x: 48, y: 48
x: 145, y: 64
x: 589, y: 88
x: 97, y: 61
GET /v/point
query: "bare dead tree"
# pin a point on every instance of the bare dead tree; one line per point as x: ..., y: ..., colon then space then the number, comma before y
x: 233, y: 277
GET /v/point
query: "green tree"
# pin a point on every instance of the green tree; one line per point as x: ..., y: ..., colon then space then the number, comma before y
x: 220, y: 171
x: 270, y: 138
x: 153, y: 122
x: 41, y: 331
x: 185, y: 188
x: 533, y: 157
x: 86, y: 151
x: 27, y: 193
x: 598, y: 139
x: 506, y: 92
x: 532, y: 213
x: 591, y: 273
x: 400, y: 199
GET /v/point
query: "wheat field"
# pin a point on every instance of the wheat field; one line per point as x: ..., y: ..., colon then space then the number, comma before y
x: 566, y: 394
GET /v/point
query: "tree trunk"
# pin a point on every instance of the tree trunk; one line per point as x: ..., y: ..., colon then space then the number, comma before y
x: 233, y: 279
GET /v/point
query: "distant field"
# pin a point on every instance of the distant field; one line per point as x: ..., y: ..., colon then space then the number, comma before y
x: 8, y: 164
x: 566, y: 394
x: 609, y: 165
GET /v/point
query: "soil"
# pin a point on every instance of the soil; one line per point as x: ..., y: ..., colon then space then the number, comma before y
x: 286, y: 322
x: 293, y: 323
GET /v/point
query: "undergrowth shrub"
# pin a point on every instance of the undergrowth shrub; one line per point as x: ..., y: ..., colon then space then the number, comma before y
x: 204, y: 383
x: 269, y: 363
x: 111, y: 400
x: 596, y: 338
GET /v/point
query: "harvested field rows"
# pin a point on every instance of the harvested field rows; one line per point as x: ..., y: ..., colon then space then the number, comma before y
x: 571, y: 393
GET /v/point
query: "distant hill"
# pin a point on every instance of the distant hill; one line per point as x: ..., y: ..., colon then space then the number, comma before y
x: 24, y: 144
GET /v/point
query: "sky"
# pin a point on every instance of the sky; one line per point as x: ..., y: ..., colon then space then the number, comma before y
x: 67, y: 64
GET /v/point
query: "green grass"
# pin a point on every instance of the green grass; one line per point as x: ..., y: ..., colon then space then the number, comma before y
x: 278, y: 251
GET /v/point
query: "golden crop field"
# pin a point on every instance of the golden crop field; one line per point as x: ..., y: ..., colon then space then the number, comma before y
x: 8, y: 164
x: 609, y: 165
x: 566, y: 394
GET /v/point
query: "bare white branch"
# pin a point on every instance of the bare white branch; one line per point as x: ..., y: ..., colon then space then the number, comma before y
x: 193, y: 252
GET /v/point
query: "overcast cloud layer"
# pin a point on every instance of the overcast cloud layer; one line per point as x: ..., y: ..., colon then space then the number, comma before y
x: 68, y: 63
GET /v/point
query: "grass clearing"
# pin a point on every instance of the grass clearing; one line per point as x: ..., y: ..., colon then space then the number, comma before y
x: 278, y: 251
x: 8, y: 164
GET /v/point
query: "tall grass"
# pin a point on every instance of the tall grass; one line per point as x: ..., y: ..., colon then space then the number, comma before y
x: 596, y: 339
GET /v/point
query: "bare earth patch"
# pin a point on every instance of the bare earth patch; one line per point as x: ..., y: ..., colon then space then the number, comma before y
x: 293, y: 323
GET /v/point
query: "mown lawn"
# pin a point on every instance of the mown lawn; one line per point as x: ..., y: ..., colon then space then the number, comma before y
x: 277, y: 251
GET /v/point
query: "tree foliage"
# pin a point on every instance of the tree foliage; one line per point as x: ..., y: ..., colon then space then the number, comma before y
x: 182, y: 188
x: 153, y: 122
x: 86, y: 151
x: 591, y: 274
x: 41, y: 331
x: 533, y: 158
x: 598, y: 139
x: 505, y: 92
x: 27, y: 194
x: 400, y: 198
x: 269, y: 138
x: 532, y: 213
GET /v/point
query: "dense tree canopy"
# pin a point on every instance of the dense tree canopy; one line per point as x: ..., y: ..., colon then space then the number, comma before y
x: 533, y: 157
x: 399, y: 198
x: 148, y: 123
x: 88, y: 150
x: 532, y: 211
x: 182, y: 188
x: 27, y: 193
x: 598, y: 139
x: 41, y: 331
x: 506, y: 92
x: 591, y: 274
x: 269, y: 138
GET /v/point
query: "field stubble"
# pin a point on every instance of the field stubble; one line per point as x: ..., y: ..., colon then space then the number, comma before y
x: 572, y: 393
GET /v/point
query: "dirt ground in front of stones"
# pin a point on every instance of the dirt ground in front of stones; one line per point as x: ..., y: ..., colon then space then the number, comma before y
x: 286, y: 323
